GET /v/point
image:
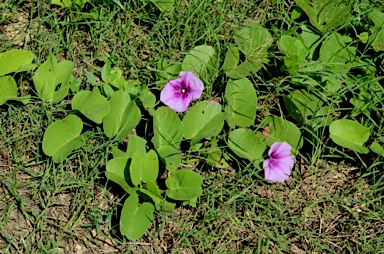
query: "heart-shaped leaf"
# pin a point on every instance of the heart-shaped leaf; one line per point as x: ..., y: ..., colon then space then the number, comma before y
x: 184, y: 185
x: 62, y: 137
x: 210, y: 123
x: 325, y: 15
x: 49, y: 75
x: 123, y: 116
x: 167, y: 128
x: 135, y: 219
x: 350, y: 134
x: 16, y: 61
x: 170, y: 156
x: 280, y: 130
x: 246, y: 144
x: 201, y: 60
x: 118, y: 172
x: 92, y: 105
x: 241, y: 99
x: 144, y: 168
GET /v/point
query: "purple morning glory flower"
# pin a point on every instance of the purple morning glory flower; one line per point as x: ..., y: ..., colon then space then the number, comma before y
x: 280, y: 163
x: 179, y: 92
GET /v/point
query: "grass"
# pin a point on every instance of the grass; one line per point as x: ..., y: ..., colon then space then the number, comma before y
x: 329, y: 205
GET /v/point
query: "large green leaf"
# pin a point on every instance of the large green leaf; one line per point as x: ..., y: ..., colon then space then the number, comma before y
x: 123, y: 116
x: 201, y: 60
x: 280, y: 130
x: 117, y: 171
x: 62, y: 137
x: 253, y: 41
x: 241, y: 102
x: 49, y: 75
x: 167, y: 128
x: 144, y: 168
x: 184, y: 185
x: 350, y: 134
x: 16, y: 61
x: 135, y: 219
x: 336, y: 52
x: 92, y: 105
x: 325, y: 15
x: 136, y: 143
x: 246, y: 144
x: 210, y: 120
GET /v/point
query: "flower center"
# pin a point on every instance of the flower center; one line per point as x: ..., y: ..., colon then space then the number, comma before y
x: 183, y: 90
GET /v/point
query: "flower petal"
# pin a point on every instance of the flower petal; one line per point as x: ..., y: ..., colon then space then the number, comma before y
x: 276, y: 172
x: 194, y: 84
x: 279, y: 150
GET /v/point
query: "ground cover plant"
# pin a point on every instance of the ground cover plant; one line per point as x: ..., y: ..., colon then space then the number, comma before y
x: 191, y: 126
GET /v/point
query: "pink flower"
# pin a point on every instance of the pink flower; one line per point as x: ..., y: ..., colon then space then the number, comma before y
x: 179, y: 92
x: 280, y: 163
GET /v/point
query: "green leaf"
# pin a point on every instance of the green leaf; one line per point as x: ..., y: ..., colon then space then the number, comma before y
x: 377, y: 148
x: 253, y: 41
x: 241, y: 102
x: 167, y: 128
x: 210, y: 121
x: 16, y: 61
x: 118, y: 172
x: 336, y: 54
x: 246, y: 144
x: 136, y: 143
x: 170, y: 156
x: 201, y: 60
x: 49, y: 75
x: 123, y: 116
x: 8, y: 89
x: 282, y: 130
x: 168, y: 71
x: 148, y: 99
x: 378, y: 30
x: 349, y: 134
x: 325, y: 15
x: 144, y: 168
x: 301, y: 105
x: 62, y: 137
x: 92, y: 105
x: 184, y: 185
x: 135, y: 219
x: 164, y: 5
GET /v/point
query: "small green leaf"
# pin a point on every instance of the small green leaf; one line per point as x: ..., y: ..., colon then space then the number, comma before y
x: 246, y: 144
x: 378, y: 31
x: 118, y: 172
x: 148, y: 99
x: 62, y: 137
x: 123, y: 116
x: 135, y: 219
x: 164, y: 5
x: 170, y: 156
x: 210, y: 123
x: 350, y: 134
x: 144, y: 168
x: 241, y: 99
x: 167, y: 128
x: 377, y: 148
x: 16, y: 61
x: 92, y: 105
x: 184, y: 185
